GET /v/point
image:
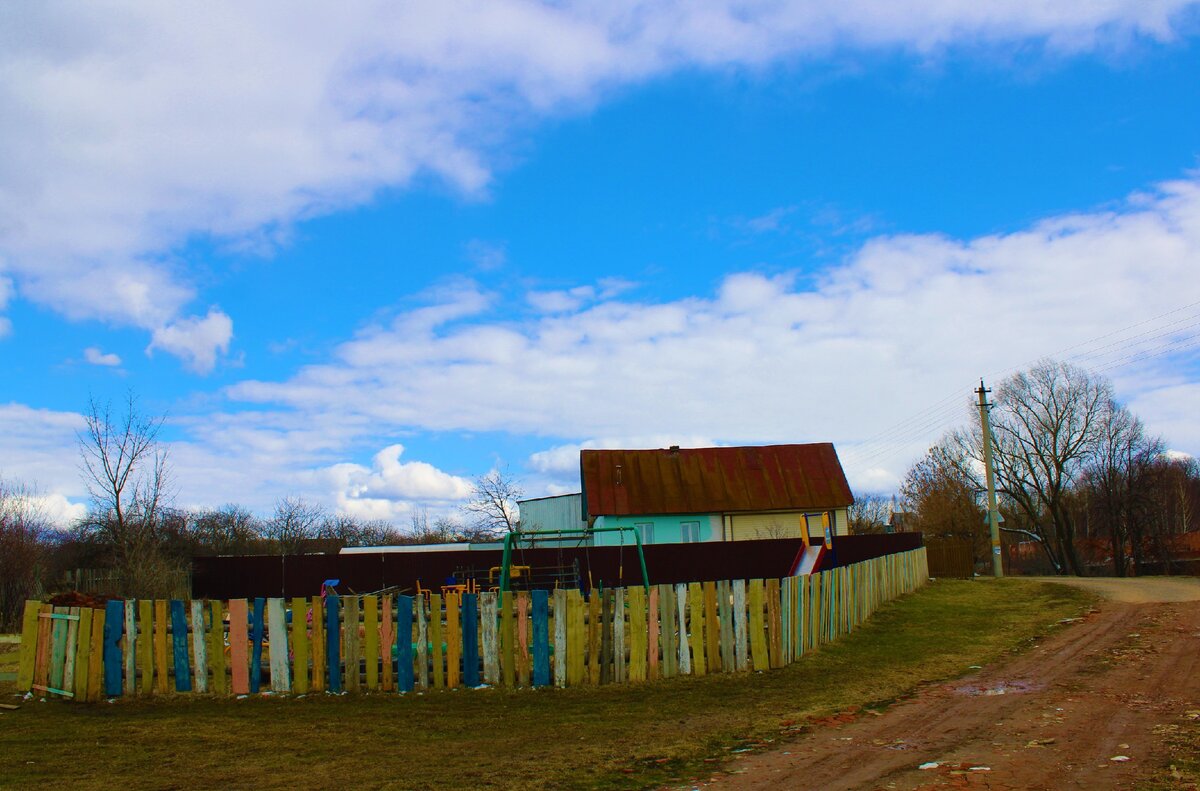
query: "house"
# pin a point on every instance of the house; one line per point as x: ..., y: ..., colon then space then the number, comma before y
x: 547, y: 514
x: 676, y: 495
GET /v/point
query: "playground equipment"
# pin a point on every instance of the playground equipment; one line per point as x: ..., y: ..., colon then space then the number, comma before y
x: 520, y: 541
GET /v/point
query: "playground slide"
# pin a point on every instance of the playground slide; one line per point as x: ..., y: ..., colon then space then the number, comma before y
x: 806, y: 560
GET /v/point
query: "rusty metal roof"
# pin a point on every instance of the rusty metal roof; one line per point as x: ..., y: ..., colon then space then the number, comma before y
x: 713, y: 480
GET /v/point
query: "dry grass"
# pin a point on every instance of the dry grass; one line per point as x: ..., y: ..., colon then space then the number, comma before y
x: 612, y: 737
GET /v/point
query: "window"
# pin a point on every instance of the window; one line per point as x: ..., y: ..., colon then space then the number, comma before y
x: 646, y: 531
x: 691, y: 532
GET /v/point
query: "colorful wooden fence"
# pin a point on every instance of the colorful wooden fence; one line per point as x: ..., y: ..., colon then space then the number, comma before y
x: 401, y: 643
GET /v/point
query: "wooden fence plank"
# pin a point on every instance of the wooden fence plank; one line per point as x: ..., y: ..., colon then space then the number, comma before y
x: 606, y: 647
x: 712, y: 629
x: 741, y: 643
x: 404, y: 643
x: 139, y: 634
x: 453, y: 603
x: 199, y: 646
x: 333, y: 641
x: 637, y: 633
x: 437, y: 654
x: 541, y: 638
x: 725, y: 618
x: 370, y: 609
x: 774, y: 625
x: 239, y: 668
x: 319, y: 666
x: 216, y: 648
x: 488, y: 616
x: 593, y: 637
x: 757, y: 624
x: 351, y: 643
x: 58, y: 648
x: 522, y: 613
x: 666, y: 621
x: 281, y: 680
x: 470, y: 627
x: 27, y: 657
x: 162, y: 667
x: 576, y: 639
x: 620, y: 669
x: 41, y: 668
x: 72, y: 644
x: 95, y: 683
x: 257, y: 633
x: 696, y: 627
x: 300, y: 642
x: 685, y: 654
x: 114, y: 621
x: 131, y: 644
x: 508, y: 670
x: 387, y: 643
x: 179, y: 647
x: 421, y: 610
x: 560, y: 637
x: 83, y: 650
x: 652, y: 634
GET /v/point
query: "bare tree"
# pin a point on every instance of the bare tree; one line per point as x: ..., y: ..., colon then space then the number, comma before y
x: 24, y: 529
x: 225, y: 530
x: 869, y: 513
x: 350, y: 531
x: 1117, y: 486
x: 295, y: 520
x: 493, y: 504
x: 942, y: 495
x: 127, y: 476
x: 1047, y: 425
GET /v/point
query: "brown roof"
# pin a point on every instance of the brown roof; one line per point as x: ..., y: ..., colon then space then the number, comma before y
x: 713, y: 480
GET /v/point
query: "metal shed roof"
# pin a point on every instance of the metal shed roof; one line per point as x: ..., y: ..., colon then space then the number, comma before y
x: 712, y: 480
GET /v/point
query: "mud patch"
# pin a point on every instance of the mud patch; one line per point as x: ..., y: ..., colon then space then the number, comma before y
x: 1000, y: 688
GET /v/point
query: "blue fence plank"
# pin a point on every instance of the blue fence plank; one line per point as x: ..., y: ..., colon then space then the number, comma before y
x: 541, y: 638
x: 114, y: 622
x: 256, y: 644
x: 404, y: 643
x: 470, y: 632
x: 333, y: 641
x: 179, y: 634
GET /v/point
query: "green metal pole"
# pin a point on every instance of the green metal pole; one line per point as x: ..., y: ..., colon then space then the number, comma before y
x: 508, y: 539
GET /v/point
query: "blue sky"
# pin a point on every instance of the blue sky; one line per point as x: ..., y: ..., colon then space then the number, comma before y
x: 366, y: 257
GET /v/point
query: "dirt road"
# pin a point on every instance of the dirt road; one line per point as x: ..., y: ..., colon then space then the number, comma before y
x: 1092, y: 706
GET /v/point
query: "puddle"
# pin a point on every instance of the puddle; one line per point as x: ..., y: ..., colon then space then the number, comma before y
x: 999, y: 688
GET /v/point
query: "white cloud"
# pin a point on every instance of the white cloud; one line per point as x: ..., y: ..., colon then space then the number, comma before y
x: 392, y: 489
x: 196, y: 340
x: 94, y: 356
x: 140, y: 126
x: 39, y: 450
x: 905, y: 326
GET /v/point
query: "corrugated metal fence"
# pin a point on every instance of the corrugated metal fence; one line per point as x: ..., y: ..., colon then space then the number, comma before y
x: 400, y: 643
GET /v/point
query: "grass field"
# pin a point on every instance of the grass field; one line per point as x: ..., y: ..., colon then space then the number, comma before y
x: 604, y: 738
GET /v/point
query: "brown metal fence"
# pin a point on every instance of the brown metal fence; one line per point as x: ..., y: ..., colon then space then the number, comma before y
x: 950, y: 558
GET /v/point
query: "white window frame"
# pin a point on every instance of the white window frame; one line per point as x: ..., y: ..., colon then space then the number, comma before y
x: 690, y: 531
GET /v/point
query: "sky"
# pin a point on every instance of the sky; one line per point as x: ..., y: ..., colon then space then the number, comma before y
x: 365, y: 254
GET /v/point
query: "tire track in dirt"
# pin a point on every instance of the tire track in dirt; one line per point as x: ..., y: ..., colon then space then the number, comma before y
x: 1051, y: 717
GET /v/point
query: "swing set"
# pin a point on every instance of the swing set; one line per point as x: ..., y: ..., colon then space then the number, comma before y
x: 520, y: 541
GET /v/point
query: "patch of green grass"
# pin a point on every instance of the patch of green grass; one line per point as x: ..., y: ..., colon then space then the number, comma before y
x: 598, y: 738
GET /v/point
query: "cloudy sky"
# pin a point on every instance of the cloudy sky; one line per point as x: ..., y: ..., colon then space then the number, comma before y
x: 365, y: 253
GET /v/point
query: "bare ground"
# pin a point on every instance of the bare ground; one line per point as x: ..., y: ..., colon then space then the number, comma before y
x: 1096, y: 706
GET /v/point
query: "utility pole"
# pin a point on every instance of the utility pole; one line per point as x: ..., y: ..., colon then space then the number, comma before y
x: 993, y: 512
